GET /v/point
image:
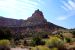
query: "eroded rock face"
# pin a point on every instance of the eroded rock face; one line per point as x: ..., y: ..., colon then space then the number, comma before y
x: 37, y: 18
x: 36, y: 22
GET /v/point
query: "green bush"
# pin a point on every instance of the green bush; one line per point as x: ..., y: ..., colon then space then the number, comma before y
x: 4, y: 42
x: 40, y: 34
x: 54, y: 42
x: 40, y: 48
x: 73, y: 32
x: 37, y: 41
x: 73, y: 39
x: 5, y: 34
x: 68, y: 40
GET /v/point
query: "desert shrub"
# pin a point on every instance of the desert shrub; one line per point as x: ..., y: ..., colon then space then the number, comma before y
x: 54, y: 42
x: 4, y: 42
x: 43, y: 48
x: 68, y: 40
x: 45, y: 36
x: 17, y: 36
x: 67, y: 35
x: 54, y: 48
x: 25, y: 43
x: 40, y: 48
x: 5, y: 34
x: 73, y: 32
x: 37, y: 41
x: 73, y: 39
x: 16, y: 42
x: 4, y: 48
x: 40, y: 34
x: 62, y: 48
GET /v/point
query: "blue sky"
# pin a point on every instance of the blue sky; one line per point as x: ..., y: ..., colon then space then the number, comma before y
x: 59, y: 12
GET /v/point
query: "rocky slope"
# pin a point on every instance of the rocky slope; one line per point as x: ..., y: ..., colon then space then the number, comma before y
x: 36, y: 22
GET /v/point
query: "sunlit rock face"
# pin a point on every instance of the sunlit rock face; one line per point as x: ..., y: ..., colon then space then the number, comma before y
x: 36, y: 18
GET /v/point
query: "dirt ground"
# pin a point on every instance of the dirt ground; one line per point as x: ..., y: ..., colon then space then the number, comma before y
x: 19, y: 48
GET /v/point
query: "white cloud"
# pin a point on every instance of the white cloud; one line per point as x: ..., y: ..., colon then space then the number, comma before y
x: 72, y: 4
x: 62, y: 18
x: 67, y: 16
x: 25, y: 5
x: 18, y: 7
x: 69, y: 7
x: 64, y: 8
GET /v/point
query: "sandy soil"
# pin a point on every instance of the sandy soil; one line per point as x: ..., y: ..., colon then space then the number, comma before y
x: 19, y: 48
